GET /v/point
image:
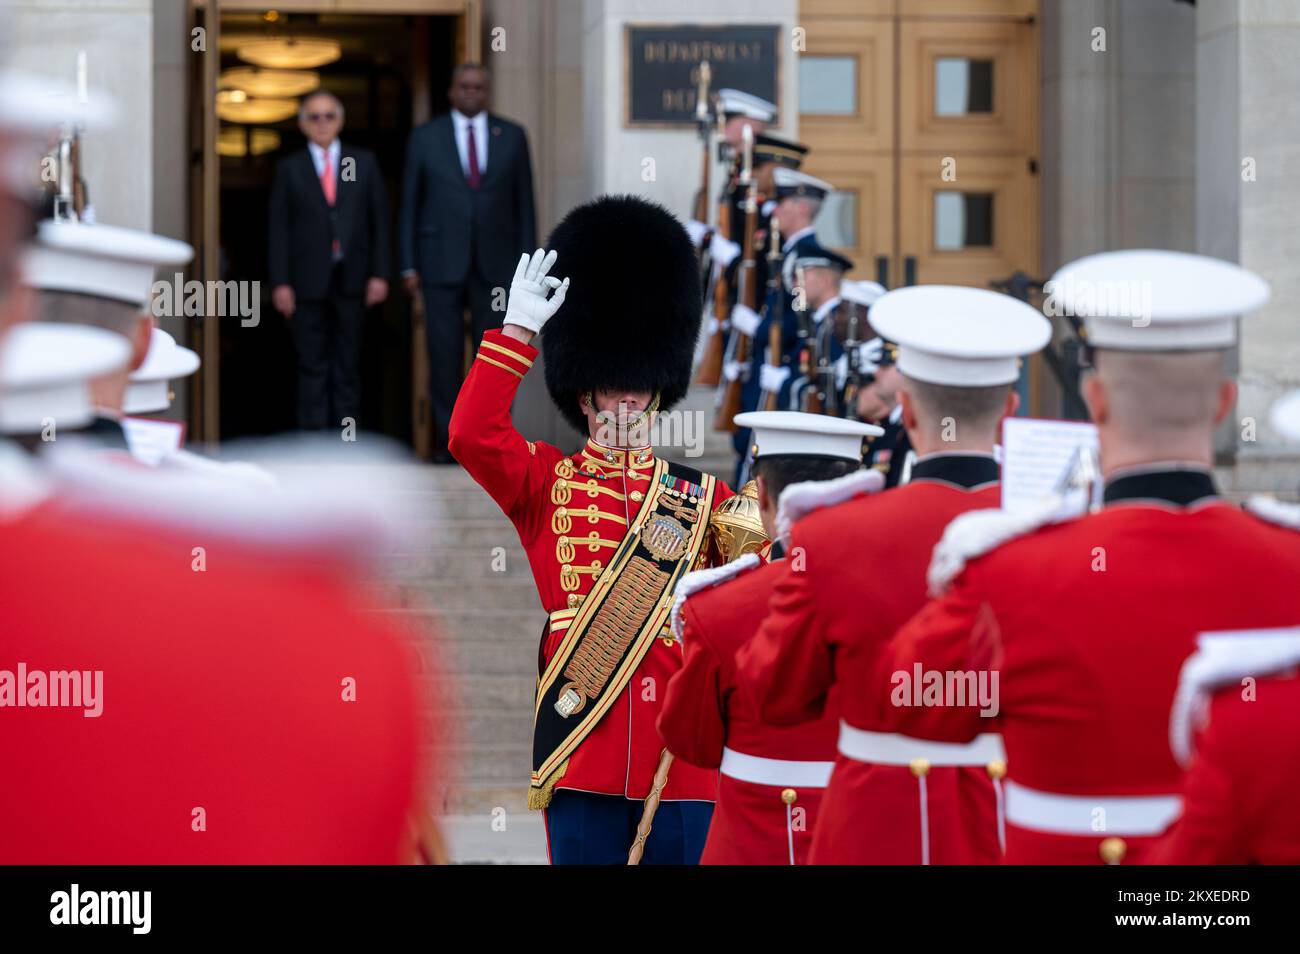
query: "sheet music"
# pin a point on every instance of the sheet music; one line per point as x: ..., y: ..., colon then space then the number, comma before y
x: 1037, y: 455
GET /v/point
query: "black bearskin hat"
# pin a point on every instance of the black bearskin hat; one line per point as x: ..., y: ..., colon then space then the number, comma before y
x: 633, y: 310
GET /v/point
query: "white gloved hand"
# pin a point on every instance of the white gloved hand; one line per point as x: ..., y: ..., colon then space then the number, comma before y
x: 731, y: 370
x: 696, y: 230
x: 723, y: 250
x: 528, y: 306
x: 744, y: 319
x: 869, y: 355
x: 771, y: 378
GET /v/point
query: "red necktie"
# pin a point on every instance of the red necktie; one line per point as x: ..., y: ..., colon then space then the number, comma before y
x: 327, y: 183
x: 473, y: 157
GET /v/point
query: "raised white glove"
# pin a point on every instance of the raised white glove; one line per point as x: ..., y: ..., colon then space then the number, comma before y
x: 528, y: 306
x: 723, y: 250
x: 696, y: 230
x: 771, y: 378
x: 744, y: 319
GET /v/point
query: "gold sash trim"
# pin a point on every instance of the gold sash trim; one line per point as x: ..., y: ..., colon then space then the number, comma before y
x: 614, y: 628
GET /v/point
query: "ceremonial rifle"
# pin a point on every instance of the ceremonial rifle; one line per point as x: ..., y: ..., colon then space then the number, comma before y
x: 853, y: 380
x: 739, y: 346
x: 710, y: 370
x: 807, y: 347
x: 776, y: 329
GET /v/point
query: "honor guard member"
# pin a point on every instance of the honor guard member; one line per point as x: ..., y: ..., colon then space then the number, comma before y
x: 798, y: 200
x: 608, y: 530
x: 1087, y: 621
x: 820, y: 270
x: 895, y: 799
x: 1235, y: 727
x: 101, y: 276
x: 878, y: 401
x: 861, y: 347
x: 771, y: 778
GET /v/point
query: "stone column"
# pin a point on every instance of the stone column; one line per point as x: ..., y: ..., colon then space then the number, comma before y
x: 1247, y: 204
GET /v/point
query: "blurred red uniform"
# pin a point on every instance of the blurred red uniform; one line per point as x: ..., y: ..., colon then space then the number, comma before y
x: 225, y: 735
x: 1239, y: 794
x: 1087, y: 624
x: 571, y: 513
x: 856, y: 573
x: 772, y: 779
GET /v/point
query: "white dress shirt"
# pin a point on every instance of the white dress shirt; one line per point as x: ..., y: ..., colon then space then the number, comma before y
x: 462, y: 123
x: 318, y: 157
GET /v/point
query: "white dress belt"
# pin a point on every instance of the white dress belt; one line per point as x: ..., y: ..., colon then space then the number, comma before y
x: 1090, y: 815
x: 778, y: 772
x: 889, y: 748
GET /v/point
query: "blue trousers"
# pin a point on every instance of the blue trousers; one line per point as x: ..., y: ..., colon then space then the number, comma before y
x: 583, y: 828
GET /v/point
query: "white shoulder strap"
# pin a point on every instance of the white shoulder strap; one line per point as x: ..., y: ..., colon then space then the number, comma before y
x: 799, y: 500
x: 1275, y: 511
x: 977, y: 532
x: 702, y: 579
x: 1220, y: 660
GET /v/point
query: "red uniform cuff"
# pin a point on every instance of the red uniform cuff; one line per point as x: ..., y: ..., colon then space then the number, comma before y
x: 509, y: 354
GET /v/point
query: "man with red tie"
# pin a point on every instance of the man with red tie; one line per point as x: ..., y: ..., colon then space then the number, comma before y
x: 1086, y: 622
x: 772, y: 778
x: 609, y: 530
x: 328, y: 249
x: 894, y: 799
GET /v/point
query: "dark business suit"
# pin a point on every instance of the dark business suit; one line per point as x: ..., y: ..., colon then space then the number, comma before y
x: 463, y: 241
x: 328, y: 287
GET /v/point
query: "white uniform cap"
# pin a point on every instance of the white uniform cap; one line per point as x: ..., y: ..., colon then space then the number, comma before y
x: 791, y: 182
x: 1285, y: 416
x: 100, y: 260
x: 1156, y: 300
x: 863, y: 293
x: 954, y: 335
x: 796, y: 434
x: 733, y: 102
x: 166, y: 360
x: 45, y: 371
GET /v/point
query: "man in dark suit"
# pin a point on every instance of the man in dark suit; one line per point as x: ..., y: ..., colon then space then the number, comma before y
x: 329, y: 259
x: 466, y: 215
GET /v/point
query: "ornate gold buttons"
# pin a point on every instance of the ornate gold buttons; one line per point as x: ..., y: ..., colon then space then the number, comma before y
x: 920, y: 767
x: 997, y: 770
x: 789, y: 795
x: 1112, y: 850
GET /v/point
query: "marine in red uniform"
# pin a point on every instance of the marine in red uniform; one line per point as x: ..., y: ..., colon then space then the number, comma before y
x: 861, y: 573
x: 1086, y: 622
x: 1239, y: 699
x: 772, y: 778
x: 609, y: 530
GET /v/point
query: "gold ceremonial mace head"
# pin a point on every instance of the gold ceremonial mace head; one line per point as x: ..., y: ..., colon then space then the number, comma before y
x: 736, y: 528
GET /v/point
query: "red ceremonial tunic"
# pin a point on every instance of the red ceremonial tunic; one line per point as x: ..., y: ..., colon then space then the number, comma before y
x: 222, y: 691
x: 705, y: 714
x: 1239, y: 795
x: 855, y: 573
x: 571, y: 513
x: 1087, y: 624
